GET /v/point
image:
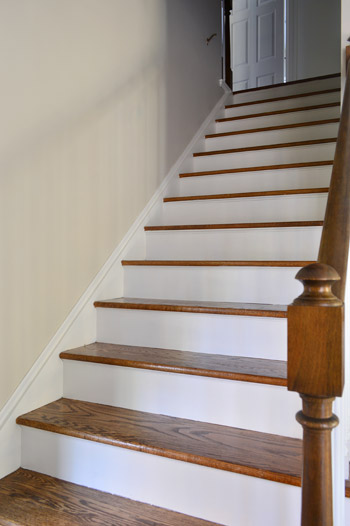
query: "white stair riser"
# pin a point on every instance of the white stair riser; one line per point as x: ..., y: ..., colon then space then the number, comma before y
x: 347, y: 511
x: 208, y: 333
x: 246, y: 210
x: 315, y: 177
x: 317, y: 152
x: 283, y: 91
x: 200, y: 491
x: 298, y: 102
x: 272, y: 137
x: 278, y: 120
x: 242, y: 284
x: 238, y: 404
x: 290, y: 243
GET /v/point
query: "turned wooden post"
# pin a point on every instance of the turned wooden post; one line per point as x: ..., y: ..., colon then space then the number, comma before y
x: 315, y: 370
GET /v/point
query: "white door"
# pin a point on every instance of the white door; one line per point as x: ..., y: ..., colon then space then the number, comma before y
x: 257, y: 43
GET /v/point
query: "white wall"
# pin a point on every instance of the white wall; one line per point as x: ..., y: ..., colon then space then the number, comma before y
x: 98, y: 99
x: 314, y: 38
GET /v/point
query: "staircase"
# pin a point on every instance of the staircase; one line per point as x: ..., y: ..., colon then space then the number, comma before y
x: 182, y: 404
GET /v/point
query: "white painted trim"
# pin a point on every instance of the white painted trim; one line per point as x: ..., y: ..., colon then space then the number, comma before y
x: 44, y: 382
x: 224, y: 86
x: 292, y: 41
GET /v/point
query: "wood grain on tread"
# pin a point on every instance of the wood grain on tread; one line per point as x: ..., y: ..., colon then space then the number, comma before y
x: 273, y: 128
x: 347, y: 488
x: 287, y: 166
x: 257, y: 370
x: 279, y: 112
x: 247, y: 452
x: 277, y: 99
x: 221, y: 226
x: 204, y: 307
x: 290, y: 83
x: 212, y: 263
x: 28, y: 498
x: 268, y: 193
x: 266, y: 147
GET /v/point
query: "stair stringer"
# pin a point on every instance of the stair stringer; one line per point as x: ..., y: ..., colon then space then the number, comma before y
x: 44, y: 381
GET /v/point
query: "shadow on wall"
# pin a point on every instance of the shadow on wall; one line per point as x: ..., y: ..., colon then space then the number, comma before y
x: 99, y: 99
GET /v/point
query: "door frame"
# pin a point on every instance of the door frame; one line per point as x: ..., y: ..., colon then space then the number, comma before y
x: 291, y: 28
x: 226, y: 8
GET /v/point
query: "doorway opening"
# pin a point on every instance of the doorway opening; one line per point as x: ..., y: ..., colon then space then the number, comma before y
x: 275, y: 41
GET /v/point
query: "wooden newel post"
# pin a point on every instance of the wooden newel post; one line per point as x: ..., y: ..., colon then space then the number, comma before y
x: 316, y: 371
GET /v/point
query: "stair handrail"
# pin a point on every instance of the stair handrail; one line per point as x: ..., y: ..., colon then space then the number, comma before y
x: 334, y: 247
x: 316, y: 335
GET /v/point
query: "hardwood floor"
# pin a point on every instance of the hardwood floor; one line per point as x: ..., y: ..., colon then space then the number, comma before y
x: 290, y: 83
x: 28, y: 498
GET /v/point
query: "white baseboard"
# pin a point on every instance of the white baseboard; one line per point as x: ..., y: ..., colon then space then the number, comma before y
x: 44, y: 382
x: 225, y: 86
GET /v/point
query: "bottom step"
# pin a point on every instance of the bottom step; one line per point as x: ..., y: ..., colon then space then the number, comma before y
x: 28, y: 498
x: 203, y: 470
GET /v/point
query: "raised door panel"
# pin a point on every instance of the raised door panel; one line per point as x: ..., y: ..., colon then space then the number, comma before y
x: 265, y: 80
x: 257, y: 29
x: 240, y: 43
x: 239, y: 5
x: 266, y: 36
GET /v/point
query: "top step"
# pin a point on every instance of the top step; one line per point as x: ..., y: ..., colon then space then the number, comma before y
x: 288, y: 88
x: 288, y: 97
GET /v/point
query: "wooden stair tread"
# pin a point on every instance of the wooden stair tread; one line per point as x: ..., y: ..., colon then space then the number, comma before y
x: 294, y: 144
x: 290, y: 83
x: 277, y: 99
x: 268, y: 193
x: 279, y: 112
x: 217, y: 226
x: 242, y: 451
x: 206, y: 307
x: 212, y: 263
x: 28, y: 498
x: 287, y: 166
x: 257, y: 370
x: 273, y: 128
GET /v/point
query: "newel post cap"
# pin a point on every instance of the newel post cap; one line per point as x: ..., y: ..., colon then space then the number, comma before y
x: 318, y: 279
